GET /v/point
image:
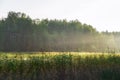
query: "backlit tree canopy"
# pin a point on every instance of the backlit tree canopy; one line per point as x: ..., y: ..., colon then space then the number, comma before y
x: 18, y: 32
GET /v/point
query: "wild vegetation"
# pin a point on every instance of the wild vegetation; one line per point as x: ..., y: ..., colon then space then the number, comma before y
x: 59, y: 66
x: 33, y: 43
x: 18, y: 32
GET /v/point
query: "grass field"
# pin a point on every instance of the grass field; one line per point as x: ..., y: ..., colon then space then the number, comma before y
x: 59, y: 66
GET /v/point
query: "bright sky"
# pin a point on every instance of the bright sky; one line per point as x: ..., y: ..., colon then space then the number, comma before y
x: 101, y: 14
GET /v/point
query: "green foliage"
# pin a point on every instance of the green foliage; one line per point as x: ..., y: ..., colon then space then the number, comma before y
x: 19, y: 32
x: 57, y: 66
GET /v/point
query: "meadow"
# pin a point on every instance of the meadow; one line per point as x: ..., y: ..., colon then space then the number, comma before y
x: 59, y: 66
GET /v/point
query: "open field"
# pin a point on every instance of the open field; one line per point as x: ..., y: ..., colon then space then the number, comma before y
x: 59, y: 66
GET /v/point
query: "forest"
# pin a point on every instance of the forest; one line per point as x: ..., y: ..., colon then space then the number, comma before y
x: 52, y: 49
x: 19, y: 33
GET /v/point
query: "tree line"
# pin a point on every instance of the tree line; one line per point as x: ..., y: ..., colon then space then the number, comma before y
x: 18, y: 32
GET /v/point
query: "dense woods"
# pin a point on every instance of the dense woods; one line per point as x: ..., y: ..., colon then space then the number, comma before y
x: 18, y: 32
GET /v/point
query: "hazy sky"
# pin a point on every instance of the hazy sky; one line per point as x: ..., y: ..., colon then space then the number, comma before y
x: 101, y: 14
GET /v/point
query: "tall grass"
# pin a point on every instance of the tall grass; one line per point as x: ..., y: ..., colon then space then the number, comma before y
x: 59, y: 66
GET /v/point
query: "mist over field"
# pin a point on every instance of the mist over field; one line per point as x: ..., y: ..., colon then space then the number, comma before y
x: 18, y: 32
x: 59, y: 40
